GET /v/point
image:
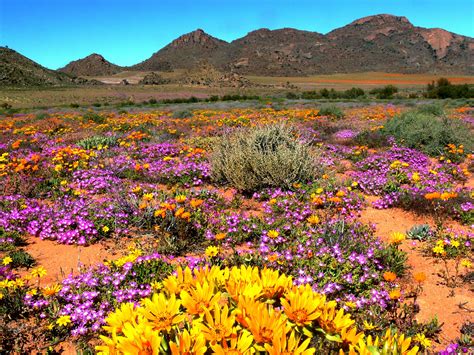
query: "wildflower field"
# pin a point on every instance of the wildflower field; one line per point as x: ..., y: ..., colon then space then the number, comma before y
x: 237, y: 231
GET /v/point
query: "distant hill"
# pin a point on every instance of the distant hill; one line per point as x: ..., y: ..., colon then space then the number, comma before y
x: 17, y: 70
x: 187, y: 51
x: 92, y: 65
x: 376, y: 43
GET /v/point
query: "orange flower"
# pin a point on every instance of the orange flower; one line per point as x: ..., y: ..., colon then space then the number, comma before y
x: 420, y: 277
x: 220, y: 236
x: 389, y: 276
x: 432, y: 195
x: 195, y: 203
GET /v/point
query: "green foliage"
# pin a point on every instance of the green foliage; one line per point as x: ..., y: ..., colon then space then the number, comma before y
x: 386, y: 92
x: 393, y: 259
x: 421, y: 232
x: 155, y: 269
x: 371, y: 138
x: 96, y: 141
x: 429, y: 133
x: 332, y: 111
x: 354, y: 93
x: 443, y: 89
x: 21, y: 258
x: 269, y: 156
x: 94, y: 117
x: 182, y: 114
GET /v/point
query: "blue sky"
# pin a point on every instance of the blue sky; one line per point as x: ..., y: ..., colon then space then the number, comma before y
x: 54, y: 32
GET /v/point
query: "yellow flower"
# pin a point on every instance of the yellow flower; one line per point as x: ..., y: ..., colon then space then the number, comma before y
x: 397, y: 238
x: 199, y: 298
x: 218, y: 325
x: 212, y: 251
x: 139, y: 339
x: 32, y: 292
x: 263, y: 321
x: 395, y: 294
x: 187, y: 343
x: 51, y: 290
x: 63, y: 321
x: 313, y: 219
x: 415, y: 177
x: 180, y: 198
x: 455, y: 243
x: 148, y: 197
x: 105, y: 229
x: 438, y: 249
x: 136, y: 189
x: 7, y: 260
x: 162, y: 312
x: 466, y: 263
x: 422, y: 340
x: 273, y: 234
x: 39, y: 272
x: 238, y: 346
x: 284, y: 344
x: 155, y: 285
x: 117, y: 320
x: 369, y: 326
x: 301, y: 305
x: 334, y: 322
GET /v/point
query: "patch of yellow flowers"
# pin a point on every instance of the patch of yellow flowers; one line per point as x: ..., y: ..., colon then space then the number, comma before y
x: 242, y: 310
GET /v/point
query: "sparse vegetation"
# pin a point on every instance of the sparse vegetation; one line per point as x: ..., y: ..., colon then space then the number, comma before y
x: 270, y: 156
x: 422, y: 129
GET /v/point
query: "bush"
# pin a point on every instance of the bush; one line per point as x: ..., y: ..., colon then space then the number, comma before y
x: 94, y: 117
x: 331, y: 111
x: 354, y: 93
x: 443, y: 89
x: 182, y: 114
x: 292, y: 96
x: 427, y: 132
x: 96, y: 141
x: 386, y: 92
x: 269, y: 156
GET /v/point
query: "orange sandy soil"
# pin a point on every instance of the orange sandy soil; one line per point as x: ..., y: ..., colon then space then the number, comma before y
x: 436, y: 299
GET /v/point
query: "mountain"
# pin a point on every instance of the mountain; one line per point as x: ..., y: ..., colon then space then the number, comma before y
x: 186, y: 52
x: 383, y: 43
x: 92, y: 65
x: 17, y: 70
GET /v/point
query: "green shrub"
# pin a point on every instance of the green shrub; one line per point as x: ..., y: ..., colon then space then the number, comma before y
x: 421, y: 232
x: 354, y: 93
x: 371, y: 138
x: 96, y: 141
x: 21, y: 258
x: 386, y: 92
x: 182, y: 114
x: 427, y: 132
x: 269, y: 156
x: 331, y: 111
x: 94, y: 117
x: 292, y: 96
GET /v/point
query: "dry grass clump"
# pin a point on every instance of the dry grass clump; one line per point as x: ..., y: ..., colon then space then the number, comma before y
x: 268, y: 156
